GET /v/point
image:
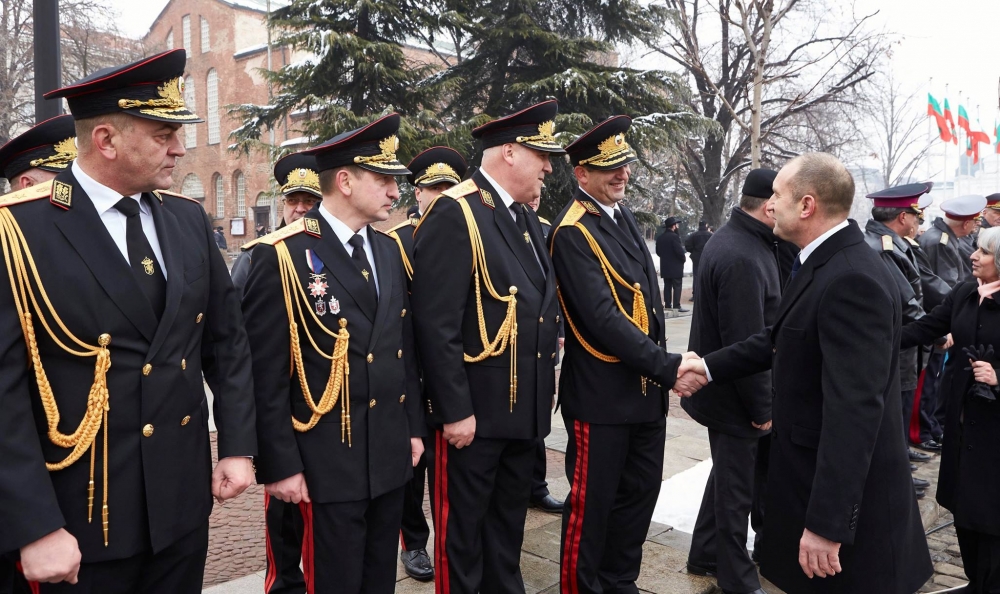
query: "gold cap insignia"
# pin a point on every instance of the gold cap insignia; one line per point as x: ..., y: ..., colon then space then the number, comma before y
x: 438, y: 172
x: 385, y: 159
x: 301, y: 178
x: 168, y: 105
x: 65, y: 153
x: 612, y: 151
x: 545, y: 136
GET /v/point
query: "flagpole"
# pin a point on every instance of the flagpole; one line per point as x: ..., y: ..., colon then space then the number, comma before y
x: 930, y: 132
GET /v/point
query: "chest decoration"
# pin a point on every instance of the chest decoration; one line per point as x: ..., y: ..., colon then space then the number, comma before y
x: 318, y: 285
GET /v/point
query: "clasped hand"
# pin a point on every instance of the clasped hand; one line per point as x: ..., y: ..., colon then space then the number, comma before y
x: 691, y: 375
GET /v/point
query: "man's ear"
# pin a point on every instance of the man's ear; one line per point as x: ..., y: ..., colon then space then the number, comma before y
x: 808, y: 206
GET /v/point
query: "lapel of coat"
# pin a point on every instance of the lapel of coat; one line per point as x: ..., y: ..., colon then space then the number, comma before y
x: 612, y: 228
x: 384, y: 270
x: 168, y: 233
x: 508, y: 229
x: 338, y: 262
x: 82, y: 226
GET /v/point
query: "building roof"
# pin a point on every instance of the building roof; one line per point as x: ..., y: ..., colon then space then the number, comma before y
x: 254, y: 5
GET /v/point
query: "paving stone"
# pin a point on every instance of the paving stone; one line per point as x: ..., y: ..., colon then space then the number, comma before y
x: 949, y: 581
x: 538, y: 573
x: 409, y: 586
x: 674, y: 463
x: 543, y: 541
x: 656, y: 528
x: 949, y: 569
x: 660, y: 572
x: 691, y: 447
x: 674, y: 538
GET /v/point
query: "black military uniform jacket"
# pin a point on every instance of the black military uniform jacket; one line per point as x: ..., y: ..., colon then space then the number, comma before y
x: 159, y: 456
x: 402, y: 234
x: 591, y: 389
x: 933, y: 288
x: 940, y: 244
x: 447, y: 320
x: 837, y: 464
x: 384, y: 413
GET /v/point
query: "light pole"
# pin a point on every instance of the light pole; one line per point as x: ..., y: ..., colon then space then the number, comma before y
x: 48, y: 67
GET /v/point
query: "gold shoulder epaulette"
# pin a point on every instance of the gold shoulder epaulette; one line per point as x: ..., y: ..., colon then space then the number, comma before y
x: 406, y: 223
x: 544, y: 221
x: 886, y: 243
x: 944, y: 239
x: 158, y: 193
x: 35, y: 192
x: 574, y: 214
x: 911, y: 241
x: 463, y: 189
x: 278, y: 236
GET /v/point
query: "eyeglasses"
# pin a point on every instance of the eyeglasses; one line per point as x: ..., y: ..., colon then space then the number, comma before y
x: 295, y: 201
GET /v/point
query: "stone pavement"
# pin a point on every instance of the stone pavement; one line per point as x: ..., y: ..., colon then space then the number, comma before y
x: 236, y: 557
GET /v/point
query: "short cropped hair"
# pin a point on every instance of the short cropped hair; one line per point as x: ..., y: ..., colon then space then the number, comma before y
x: 328, y: 178
x: 884, y: 214
x: 85, y: 128
x: 751, y: 203
x: 826, y: 178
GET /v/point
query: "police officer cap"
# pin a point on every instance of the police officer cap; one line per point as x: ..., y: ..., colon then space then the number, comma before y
x: 993, y: 201
x: 758, y: 183
x: 372, y: 147
x: 964, y: 208
x: 297, y: 173
x: 603, y: 147
x: 50, y: 146
x: 436, y: 165
x: 152, y: 88
x: 925, y: 201
x: 533, y: 127
x: 905, y: 196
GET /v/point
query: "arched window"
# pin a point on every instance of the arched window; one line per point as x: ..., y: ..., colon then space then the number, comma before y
x: 220, y: 196
x: 190, y: 130
x: 170, y: 40
x: 186, y: 31
x: 240, y: 183
x: 213, y: 107
x: 206, y: 42
x: 192, y: 187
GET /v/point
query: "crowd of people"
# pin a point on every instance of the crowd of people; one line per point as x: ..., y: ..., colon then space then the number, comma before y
x: 377, y: 361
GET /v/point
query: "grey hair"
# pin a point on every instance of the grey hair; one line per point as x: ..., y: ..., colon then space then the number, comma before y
x: 989, y: 243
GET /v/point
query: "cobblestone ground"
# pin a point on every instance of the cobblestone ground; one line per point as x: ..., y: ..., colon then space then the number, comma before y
x: 948, y: 572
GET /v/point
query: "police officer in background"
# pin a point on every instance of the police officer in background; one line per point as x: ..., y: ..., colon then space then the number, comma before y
x: 991, y: 214
x: 299, y: 194
x: 343, y: 287
x: 480, y: 267
x: 135, y: 281
x: 616, y: 375
x: 431, y: 172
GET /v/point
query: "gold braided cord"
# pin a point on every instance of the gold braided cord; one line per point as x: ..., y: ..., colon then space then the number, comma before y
x: 402, y: 252
x: 21, y: 271
x: 507, y: 333
x: 638, y: 318
x: 338, y: 382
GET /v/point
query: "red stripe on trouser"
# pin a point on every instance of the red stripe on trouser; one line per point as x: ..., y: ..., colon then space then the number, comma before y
x: 442, y: 585
x: 402, y: 543
x: 272, y: 571
x: 913, y: 428
x: 308, y: 550
x: 33, y: 585
x: 578, y: 492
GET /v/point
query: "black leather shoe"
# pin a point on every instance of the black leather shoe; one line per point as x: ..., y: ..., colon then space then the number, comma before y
x: 417, y: 565
x: 682, y: 310
x: 921, y: 483
x: 930, y: 446
x: 918, y: 456
x: 920, y: 493
x: 706, y: 571
x: 913, y: 467
x: 548, y: 504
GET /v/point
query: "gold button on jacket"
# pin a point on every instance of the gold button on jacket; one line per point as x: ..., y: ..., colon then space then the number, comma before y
x: 198, y: 319
x: 185, y: 420
x: 146, y: 369
x: 371, y: 404
x: 402, y: 399
x: 147, y: 430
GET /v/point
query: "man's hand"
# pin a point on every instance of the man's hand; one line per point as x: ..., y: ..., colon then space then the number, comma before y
x: 818, y: 556
x: 983, y: 372
x: 461, y: 433
x: 763, y: 427
x: 416, y: 450
x: 561, y: 341
x: 690, y: 375
x: 231, y: 477
x: 290, y: 490
x: 948, y: 342
x: 52, y: 558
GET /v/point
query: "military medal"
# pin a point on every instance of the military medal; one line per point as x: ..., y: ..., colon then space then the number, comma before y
x: 334, y: 306
x: 318, y: 286
x: 320, y: 307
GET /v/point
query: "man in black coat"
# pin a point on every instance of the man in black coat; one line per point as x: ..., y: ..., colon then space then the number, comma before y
x: 670, y: 251
x: 739, y: 290
x: 480, y: 267
x: 841, y: 514
x: 616, y: 376
x: 695, y: 245
x: 139, y: 306
x: 340, y: 289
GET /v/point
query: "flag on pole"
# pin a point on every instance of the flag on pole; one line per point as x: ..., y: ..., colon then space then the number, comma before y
x: 951, y: 121
x: 933, y: 108
x: 975, y: 139
x: 963, y: 120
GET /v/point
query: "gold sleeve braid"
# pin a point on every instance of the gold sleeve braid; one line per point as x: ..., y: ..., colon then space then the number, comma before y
x: 21, y: 271
x: 507, y: 333
x: 338, y: 383
x: 638, y: 317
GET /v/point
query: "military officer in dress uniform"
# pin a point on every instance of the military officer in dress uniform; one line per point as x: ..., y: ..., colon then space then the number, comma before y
x: 338, y: 434
x: 991, y: 214
x: 485, y: 318
x: 617, y: 373
x: 118, y: 294
x: 431, y: 172
x: 896, y: 216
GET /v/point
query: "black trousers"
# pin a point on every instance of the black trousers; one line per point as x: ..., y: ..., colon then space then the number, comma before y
x: 672, y: 292
x: 907, y: 397
x: 350, y: 548
x: 932, y: 403
x: 177, y: 569
x: 981, y: 558
x: 413, y: 531
x: 720, y: 532
x: 284, y: 547
x: 615, y: 473
x: 539, y: 488
x: 480, y: 498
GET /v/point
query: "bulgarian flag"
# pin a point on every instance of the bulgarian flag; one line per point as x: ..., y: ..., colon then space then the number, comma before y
x: 934, y: 109
x: 975, y: 139
x: 963, y: 121
x: 951, y: 122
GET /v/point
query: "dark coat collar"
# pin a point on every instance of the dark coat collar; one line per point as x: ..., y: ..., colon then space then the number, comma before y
x: 742, y: 221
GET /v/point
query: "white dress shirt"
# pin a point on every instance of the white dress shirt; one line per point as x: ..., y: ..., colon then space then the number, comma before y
x: 507, y: 199
x: 104, y: 199
x: 344, y: 234
x: 805, y: 253
x: 610, y: 210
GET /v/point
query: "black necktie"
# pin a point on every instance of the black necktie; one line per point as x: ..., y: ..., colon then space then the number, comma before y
x: 141, y: 257
x: 795, y: 267
x: 521, y: 220
x: 361, y: 261
x: 620, y: 219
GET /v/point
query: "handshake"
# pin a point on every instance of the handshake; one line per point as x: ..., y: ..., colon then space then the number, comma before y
x: 692, y: 375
